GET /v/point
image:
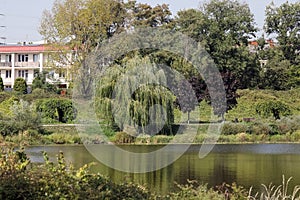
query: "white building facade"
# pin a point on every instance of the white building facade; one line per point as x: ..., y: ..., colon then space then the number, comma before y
x: 27, y: 61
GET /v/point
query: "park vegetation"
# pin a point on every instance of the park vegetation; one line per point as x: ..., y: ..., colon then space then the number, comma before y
x: 262, y: 100
x: 222, y: 27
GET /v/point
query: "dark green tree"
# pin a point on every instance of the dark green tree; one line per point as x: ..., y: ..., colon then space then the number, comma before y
x: 224, y: 27
x: 145, y: 15
x: 1, y: 85
x: 273, y: 108
x: 276, y: 75
x: 283, y: 21
x: 38, y: 82
x: 61, y: 110
x: 20, y: 86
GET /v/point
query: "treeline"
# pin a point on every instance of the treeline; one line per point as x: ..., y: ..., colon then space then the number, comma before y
x: 225, y: 29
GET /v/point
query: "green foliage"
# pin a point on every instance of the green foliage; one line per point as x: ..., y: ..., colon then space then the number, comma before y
x: 37, y: 94
x: 6, y: 105
x: 273, y: 108
x: 145, y: 15
x: 20, y: 116
x: 234, y: 128
x: 246, y: 107
x: 276, y: 75
x: 123, y: 138
x: 161, y: 139
x: 8, y: 128
x: 4, y: 96
x: 20, y: 180
x: 223, y: 27
x: 1, y: 85
x: 20, y: 86
x: 284, y: 22
x: 194, y: 190
x: 59, y: 109
x: 122, y: 101
x: 61, y: 138
x: 38, y: 82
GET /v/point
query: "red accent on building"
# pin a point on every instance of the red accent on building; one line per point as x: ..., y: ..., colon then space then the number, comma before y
x: 22, y: 49
x: 253, y: 43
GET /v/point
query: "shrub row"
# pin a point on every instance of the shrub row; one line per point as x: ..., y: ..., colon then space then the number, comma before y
x: 279, y: 127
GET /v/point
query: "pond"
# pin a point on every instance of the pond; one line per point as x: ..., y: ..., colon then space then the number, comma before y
x: 245, y: 164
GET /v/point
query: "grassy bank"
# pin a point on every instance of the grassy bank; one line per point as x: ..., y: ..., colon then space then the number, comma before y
x: 284, y: 131
x: 20, y: 179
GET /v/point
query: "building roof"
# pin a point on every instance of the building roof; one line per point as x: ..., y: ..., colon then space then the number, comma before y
x: 22, y: 48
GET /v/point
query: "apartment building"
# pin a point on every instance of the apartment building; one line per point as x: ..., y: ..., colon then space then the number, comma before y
x: 27, y: 61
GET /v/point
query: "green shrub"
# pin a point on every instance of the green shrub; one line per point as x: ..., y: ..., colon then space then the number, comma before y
x: 143, y: 139
x: 295, y: 137
x: 38, y: 82
x: 20, y: 86
x: 4, y: 96
x: 59, y: 138
x: 233, y: 128
x: 20, y: 180
x: 289, y: 124
x: 259, y: 128
x: 243, y: 137
x: 194, y: 190
x: 199, y: 138
x: 161, y: 139
x: 273, y: 109
x: 59, y: 109
x: 8, y: 128
x: 123, y: 138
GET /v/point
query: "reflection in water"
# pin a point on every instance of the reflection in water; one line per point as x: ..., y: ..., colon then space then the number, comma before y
x: 247, y: 165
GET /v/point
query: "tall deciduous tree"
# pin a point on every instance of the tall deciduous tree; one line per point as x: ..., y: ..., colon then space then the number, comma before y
x: 224, y: 27
x: 284, y: 22
x: 78, y: 27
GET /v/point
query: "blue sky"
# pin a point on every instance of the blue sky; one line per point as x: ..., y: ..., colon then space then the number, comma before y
x: 22, y: 17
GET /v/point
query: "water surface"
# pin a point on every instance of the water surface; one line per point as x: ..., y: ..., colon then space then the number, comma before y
x: 246, y: 164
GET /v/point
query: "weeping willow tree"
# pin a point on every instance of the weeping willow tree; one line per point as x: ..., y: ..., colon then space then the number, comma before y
x: 135, y: 94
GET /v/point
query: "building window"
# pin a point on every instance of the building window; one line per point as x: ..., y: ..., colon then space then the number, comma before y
x: 8, y: 74
x: 62, y: 74
x: 36, y: 58
x: 23, y: 73
x: 8, y: 58
x: 23, y: 58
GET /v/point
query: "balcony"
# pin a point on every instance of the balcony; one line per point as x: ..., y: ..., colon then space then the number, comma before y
x: 7, y: 81
x: 5, y: 64
x: 27, y: 64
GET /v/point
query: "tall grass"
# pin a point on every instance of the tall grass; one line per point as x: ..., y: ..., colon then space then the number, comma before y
x: 281, y: 192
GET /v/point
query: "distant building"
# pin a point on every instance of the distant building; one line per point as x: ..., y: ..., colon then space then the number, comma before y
x: 254, y: 47
x: 27, y: 61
